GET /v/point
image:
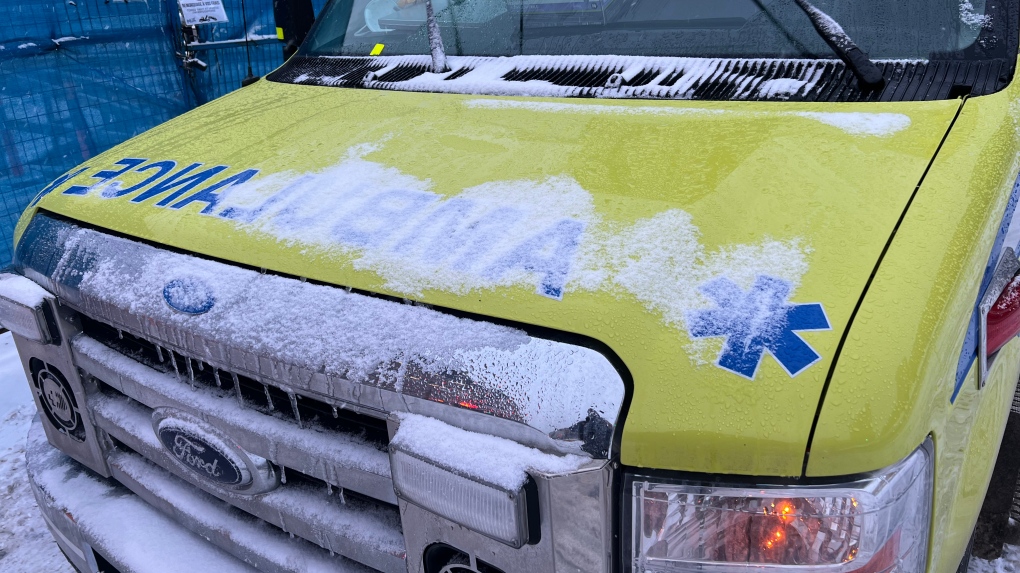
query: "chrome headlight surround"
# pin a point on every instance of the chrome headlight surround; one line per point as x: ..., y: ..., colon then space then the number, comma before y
x: 872, y: 524
x: 23, y: 307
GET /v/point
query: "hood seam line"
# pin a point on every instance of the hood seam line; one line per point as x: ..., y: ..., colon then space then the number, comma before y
x: 864, y: 293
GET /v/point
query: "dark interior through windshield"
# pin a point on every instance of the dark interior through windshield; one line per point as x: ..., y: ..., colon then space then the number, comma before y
x: 886, y: 29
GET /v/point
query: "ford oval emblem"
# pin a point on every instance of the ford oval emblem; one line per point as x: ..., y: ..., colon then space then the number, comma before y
x: 201, y: 451
x: 202, y: 454
x: 189, y: 295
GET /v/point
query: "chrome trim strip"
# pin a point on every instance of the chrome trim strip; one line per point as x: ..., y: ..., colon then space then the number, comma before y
x: 62, y: 539
x: 225, y: 529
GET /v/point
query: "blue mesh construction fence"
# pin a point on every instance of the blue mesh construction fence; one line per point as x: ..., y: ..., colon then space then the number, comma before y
x: 80, y: 76
x: 228, y: 52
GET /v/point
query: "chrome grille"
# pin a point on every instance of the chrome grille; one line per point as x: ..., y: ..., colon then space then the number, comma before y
x: 301, y: 506
x: 315, y: 500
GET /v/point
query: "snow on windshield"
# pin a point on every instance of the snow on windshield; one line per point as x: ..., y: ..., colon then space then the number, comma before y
x: 973, y: 17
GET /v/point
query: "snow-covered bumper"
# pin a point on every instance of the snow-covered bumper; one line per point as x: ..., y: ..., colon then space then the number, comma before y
x: 100, y: 525
x: 283, y: 437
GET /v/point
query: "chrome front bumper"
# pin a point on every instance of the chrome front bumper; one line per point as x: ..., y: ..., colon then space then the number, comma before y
x: 147, y: 520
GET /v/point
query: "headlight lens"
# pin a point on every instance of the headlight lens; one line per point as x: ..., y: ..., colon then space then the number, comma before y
x: 872, y: 525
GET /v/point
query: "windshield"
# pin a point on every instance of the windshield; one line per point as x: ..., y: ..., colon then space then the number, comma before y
x: 886, y: 29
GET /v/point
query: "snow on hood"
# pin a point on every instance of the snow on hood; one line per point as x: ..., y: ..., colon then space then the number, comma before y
x: 541, y: 234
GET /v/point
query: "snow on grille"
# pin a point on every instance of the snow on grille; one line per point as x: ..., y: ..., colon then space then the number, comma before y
x: 361, y: 338
x: 105, y: 512
x: 22, y: 291
x: 356, y: 451
x: 606, y: 76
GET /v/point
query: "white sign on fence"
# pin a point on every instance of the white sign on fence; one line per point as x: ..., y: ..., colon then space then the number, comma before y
x: 202, y: 12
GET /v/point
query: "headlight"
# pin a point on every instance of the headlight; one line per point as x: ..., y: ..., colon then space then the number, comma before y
x: 872, y: 525
x: 492, y: 511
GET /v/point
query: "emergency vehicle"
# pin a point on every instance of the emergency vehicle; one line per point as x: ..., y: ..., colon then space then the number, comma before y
x: 503, y: 286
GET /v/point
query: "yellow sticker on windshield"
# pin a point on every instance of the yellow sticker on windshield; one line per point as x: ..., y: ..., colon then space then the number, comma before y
x: 377, y: 49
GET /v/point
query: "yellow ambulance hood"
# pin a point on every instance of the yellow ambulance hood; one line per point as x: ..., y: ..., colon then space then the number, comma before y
x: 717, y: 248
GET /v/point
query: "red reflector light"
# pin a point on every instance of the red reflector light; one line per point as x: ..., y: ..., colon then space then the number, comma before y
x: 1004, y: 317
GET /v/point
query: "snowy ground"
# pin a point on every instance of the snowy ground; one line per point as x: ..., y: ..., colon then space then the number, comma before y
x: 1008, y: 563
x: 25, y: 543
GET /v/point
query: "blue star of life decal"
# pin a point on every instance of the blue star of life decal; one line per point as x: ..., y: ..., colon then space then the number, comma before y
x: 757, y: 321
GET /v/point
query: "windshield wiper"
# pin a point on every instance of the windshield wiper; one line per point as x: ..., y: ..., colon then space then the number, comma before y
x: 439, y: 64
x: 868, y: 74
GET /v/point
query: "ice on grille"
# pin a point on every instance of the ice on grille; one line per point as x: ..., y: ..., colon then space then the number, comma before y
x: 346, y: 449
x: 327, y: 329
x: 102, y: 511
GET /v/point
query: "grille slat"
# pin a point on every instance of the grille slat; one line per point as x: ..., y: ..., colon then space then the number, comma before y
x: 302, y: 506
x: 564, y: 76
x: 459, y: 73
x: 644, y: 77
x: 345, y: 72
x: 353, y: 460
x: 302, y: 410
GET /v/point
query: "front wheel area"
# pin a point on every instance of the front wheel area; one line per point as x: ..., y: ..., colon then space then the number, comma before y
x: 999, y: 520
